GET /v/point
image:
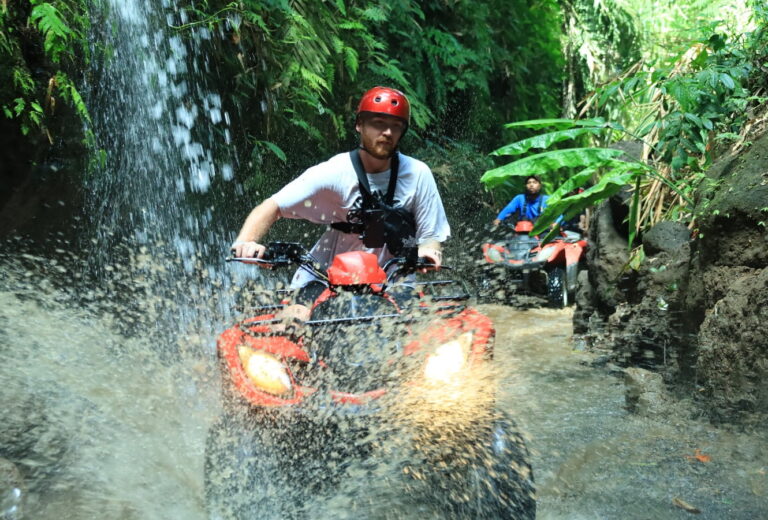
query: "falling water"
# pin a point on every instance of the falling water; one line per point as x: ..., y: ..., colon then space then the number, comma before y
x: 106, y: 356
x: 166, y: 157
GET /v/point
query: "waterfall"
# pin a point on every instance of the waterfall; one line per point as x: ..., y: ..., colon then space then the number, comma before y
x: 164, y: 140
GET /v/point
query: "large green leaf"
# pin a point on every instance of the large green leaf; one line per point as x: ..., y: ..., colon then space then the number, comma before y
x: 608, y: 185
x: 574, y: 182
x: 543, y: 141
x: 561, y: 124
x: 550, y: 161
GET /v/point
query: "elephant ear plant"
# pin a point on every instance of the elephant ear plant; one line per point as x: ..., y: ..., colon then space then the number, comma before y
x: 601, y: 171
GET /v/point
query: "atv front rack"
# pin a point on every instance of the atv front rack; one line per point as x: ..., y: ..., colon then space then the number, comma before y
x: 460, y: 297
x: 248, y: 326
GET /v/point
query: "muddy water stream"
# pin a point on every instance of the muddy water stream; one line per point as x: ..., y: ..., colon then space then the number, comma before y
x: 593, y: 459
x: 99, y: 425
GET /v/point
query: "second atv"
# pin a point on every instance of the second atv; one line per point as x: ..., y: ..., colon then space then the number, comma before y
x: 520, y: 263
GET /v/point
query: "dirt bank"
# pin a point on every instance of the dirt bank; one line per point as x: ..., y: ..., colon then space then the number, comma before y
x: 695, y: 309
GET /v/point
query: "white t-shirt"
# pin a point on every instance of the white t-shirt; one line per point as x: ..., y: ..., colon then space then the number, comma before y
x: 324, y: 193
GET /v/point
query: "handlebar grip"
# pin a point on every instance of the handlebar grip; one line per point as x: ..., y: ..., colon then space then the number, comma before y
x: 424, y: 263
x: 249, y: 260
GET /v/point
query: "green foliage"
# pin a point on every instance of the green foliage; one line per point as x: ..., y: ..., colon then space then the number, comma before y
x: 300, y: 67
x: 70, y: 93
x: 51, y: 24
x: 549, y: 161
x: 691, y: 94
x: 699, y: 94
x: 601, y: 40
x: 600, y: 167
x: 57, y: 28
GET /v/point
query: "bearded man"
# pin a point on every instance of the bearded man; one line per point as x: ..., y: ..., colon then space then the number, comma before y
x: 338, y: 192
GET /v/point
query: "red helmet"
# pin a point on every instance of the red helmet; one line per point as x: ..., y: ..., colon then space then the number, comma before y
x: 387, y: 101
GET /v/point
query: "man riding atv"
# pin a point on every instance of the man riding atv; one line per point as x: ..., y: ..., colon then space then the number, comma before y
x: 525, y: 206
x: 386, y: 390
x: 374, y: 198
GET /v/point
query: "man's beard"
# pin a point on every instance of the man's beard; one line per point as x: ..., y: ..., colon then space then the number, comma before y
x: 382, y: 150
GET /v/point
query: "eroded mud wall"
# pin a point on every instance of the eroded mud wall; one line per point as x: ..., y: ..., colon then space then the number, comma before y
x: 696, y: 309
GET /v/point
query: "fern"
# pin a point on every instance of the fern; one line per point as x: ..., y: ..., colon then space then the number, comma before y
x: 351, y: 61
x: 71, y: 94
x: 55, y: 30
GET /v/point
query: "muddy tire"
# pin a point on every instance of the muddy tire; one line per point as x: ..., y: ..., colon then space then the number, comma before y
x: 557, y: 290
x: 241, y: 476
x: 490, y: 284
x: 486, y: 476
x: 485, y: 289
x: 500, y: 482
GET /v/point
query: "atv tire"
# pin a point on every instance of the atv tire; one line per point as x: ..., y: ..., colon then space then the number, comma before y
x: 557, y: 290
x: 242, y: 477
x: 489, y: 476
x: 500, y: 481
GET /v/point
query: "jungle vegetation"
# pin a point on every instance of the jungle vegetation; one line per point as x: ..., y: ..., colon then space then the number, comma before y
x: 679, y: 77
x: 692, y: 90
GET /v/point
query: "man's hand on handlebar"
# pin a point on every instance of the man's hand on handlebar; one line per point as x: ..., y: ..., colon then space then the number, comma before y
x: 250, y: 249
x: 431, y: 254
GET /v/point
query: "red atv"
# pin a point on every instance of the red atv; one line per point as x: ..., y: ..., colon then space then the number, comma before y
x: 383, y: 392
x: 520, y: 263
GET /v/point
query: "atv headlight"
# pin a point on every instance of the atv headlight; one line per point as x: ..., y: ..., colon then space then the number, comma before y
x: 265, y: 371
x: 545, y: 253
x: 448, y: 359
x: 494, y: 255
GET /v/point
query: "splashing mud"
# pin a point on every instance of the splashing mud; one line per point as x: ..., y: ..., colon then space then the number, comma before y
x: 99, y: 422
x: 98, y: 425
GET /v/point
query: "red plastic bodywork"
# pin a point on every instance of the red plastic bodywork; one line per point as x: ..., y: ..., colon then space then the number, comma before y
x: 566, y: 252
x: 356, y: 268
x: 440, y: 331
x: 524, y: 226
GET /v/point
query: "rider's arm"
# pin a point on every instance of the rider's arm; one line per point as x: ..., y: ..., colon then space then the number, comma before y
x: 255, y: 227
x: 513, y: 206
x: 431, y: 221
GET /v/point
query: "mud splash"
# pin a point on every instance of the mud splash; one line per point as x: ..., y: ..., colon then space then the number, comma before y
x: 99, y: 424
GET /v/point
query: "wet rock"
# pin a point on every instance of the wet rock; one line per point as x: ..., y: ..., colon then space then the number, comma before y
x: 713, y: 284
x: 645, y: 394
x: 600, y: 361
x: 606, y: 259
x: 13, y: 493
x: 668, y: 237
x: 584, y: 307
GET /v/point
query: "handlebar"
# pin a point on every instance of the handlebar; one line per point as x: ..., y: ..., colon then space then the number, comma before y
x: 249, y: 260
x: 278, y: 254
x: 408, y: 264
x: 284, y: 254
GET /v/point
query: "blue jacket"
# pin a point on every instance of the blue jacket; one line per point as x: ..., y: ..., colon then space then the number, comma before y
x: 524, y: 209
